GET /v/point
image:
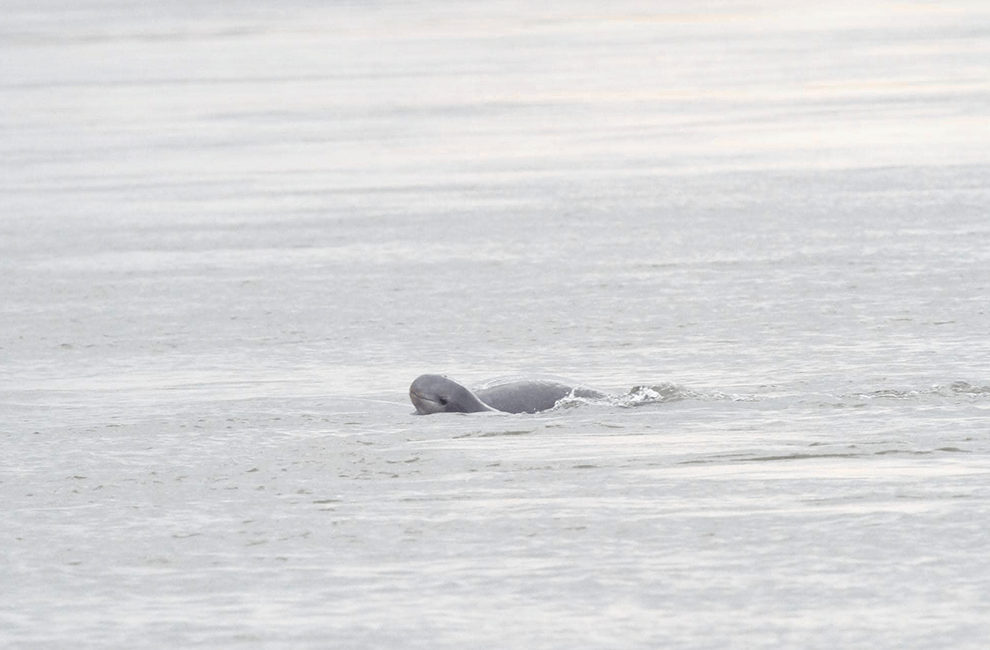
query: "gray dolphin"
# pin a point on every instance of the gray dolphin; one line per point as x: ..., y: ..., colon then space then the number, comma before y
x: 440, y: 394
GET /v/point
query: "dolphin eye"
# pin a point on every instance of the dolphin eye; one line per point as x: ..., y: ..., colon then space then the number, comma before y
x: 443, y: 401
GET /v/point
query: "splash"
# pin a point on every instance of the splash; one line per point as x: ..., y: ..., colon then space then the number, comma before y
x: 669, y: 392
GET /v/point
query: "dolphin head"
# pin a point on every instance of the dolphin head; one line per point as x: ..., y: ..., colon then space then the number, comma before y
x: 438, y: 394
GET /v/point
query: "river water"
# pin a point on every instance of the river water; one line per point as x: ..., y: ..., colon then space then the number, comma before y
x: 232, y: 234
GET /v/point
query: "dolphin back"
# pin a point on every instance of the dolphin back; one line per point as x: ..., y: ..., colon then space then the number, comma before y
x: 531, y: 396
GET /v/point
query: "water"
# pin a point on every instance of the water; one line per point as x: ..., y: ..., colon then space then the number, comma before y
x: 231, y: 236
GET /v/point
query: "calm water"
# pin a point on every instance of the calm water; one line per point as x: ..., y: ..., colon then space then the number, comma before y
x: 231, y: 236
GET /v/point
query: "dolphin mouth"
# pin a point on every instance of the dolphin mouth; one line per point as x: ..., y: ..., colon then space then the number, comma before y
x: 424, y: 405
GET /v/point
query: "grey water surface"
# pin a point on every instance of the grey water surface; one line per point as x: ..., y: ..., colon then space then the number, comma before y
x: 231, y: 235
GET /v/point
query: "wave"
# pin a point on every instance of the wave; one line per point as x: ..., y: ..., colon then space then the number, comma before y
x: 669, y: 392
x: 801, y: 456
x: 661, y: 393
x: 954, y: 389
